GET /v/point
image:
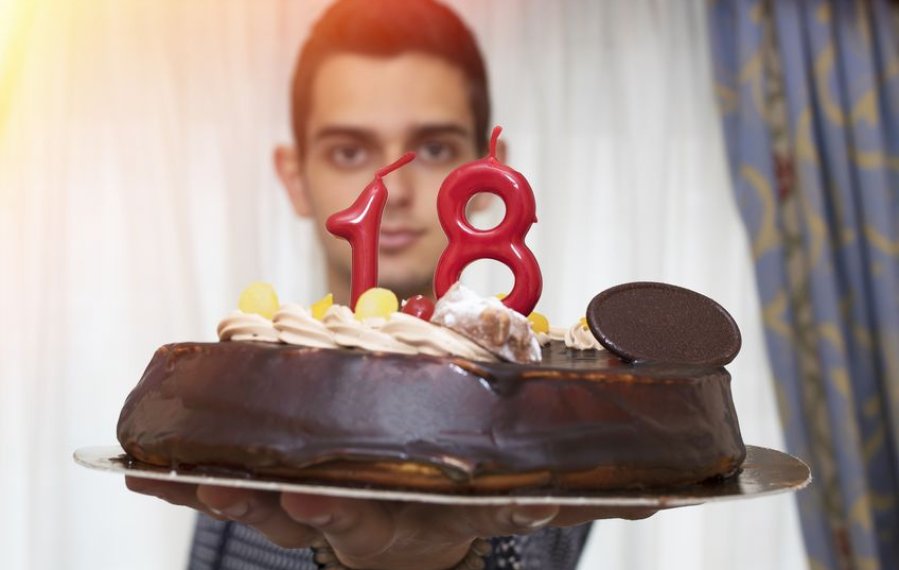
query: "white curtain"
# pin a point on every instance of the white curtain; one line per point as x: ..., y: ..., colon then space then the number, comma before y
x: 137, y: 198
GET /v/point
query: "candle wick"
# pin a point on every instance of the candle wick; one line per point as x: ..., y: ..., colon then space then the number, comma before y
x: 494, y: 137
x: 401, y: 161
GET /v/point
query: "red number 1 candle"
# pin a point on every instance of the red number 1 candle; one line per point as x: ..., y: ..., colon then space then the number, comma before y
x: 360, y: 224
x: 504, y: 243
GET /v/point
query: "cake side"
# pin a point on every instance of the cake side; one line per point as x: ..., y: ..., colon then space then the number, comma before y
x: 576, y: 420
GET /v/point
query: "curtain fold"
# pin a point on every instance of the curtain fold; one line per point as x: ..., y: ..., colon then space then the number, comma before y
x: 808, y: 91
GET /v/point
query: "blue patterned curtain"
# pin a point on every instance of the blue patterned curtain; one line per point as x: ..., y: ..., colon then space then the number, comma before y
x: 809, y: 91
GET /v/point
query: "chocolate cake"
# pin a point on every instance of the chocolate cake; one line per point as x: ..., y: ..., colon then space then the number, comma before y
x: 583, y: 420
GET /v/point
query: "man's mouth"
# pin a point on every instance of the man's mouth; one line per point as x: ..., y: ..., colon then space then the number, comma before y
x: 395, y: 240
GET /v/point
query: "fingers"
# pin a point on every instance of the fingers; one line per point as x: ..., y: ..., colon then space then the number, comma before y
x: 182, y: 494
x: 524, y: 519
x: 261, y: 510
x: 358, y: 529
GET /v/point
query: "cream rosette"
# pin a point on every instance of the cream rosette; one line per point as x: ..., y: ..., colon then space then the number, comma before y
x: 297, y: 326
x: 351, y: 332
x: 579, y: 337
x: 431, y: 339
x: 246, y: 326
x: 555, y: 333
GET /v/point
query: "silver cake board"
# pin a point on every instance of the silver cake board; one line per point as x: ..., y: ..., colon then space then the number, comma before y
x: 765, y: 472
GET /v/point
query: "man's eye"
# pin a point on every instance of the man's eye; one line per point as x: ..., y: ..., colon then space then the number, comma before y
x: 437, y: 151
x: 348, y: 156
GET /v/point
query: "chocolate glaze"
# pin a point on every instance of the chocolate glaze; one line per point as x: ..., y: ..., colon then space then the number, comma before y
x: 265, y: 407
x: 658, y: 322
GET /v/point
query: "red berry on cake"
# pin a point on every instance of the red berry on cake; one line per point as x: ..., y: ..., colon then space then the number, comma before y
x: 419, y: 306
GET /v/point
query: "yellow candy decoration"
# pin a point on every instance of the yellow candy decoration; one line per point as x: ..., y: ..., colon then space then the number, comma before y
x: 583, y: 322
x: 320, y: 307
x: 259, y: 298
x: 376, y: 302
x: 539, y: 323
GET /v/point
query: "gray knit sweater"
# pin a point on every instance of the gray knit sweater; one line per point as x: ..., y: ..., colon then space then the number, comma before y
x: 231, y: 546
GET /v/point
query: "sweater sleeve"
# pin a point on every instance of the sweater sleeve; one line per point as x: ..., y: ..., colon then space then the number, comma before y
x: 221, y: 545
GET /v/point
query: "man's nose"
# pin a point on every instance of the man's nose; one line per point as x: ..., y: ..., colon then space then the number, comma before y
x: 400, y: 186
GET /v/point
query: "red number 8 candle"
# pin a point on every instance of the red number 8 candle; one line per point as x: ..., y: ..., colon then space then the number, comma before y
x: 360, y: 224
x: 503, y: 243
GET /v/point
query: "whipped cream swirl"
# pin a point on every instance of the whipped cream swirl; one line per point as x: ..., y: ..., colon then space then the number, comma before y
x: 349, y: 331
x: 579, y: 337
x: 495, y: 332
x: 246, y: 326
x: 297, y: 326
x: 555, y: 333
x: 431, y: 339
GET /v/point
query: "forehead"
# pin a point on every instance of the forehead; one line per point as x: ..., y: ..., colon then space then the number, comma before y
x: 388, y: 95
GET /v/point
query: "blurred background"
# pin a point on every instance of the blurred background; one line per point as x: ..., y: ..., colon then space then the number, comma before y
x: 138, y: 197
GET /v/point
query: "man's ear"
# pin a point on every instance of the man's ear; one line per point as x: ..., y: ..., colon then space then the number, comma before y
x: 481, y: 201
x: 287, y: 165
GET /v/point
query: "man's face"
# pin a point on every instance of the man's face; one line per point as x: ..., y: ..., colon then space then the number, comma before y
x: 365, y: 113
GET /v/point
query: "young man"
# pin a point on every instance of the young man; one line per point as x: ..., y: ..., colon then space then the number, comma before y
x: 378, y: 78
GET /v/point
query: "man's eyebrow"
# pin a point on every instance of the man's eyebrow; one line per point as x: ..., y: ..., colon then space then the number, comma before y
x: 438, y: 129
x: 418, y: 132
x: 342, y: 131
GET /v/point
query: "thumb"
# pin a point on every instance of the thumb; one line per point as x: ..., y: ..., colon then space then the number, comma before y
x: 353, y: 527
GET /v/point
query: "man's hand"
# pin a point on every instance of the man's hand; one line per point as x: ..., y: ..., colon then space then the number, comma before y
x: 372, y: 534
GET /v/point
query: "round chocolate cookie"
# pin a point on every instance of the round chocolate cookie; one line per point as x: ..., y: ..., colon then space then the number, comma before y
x: 646, y: 321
